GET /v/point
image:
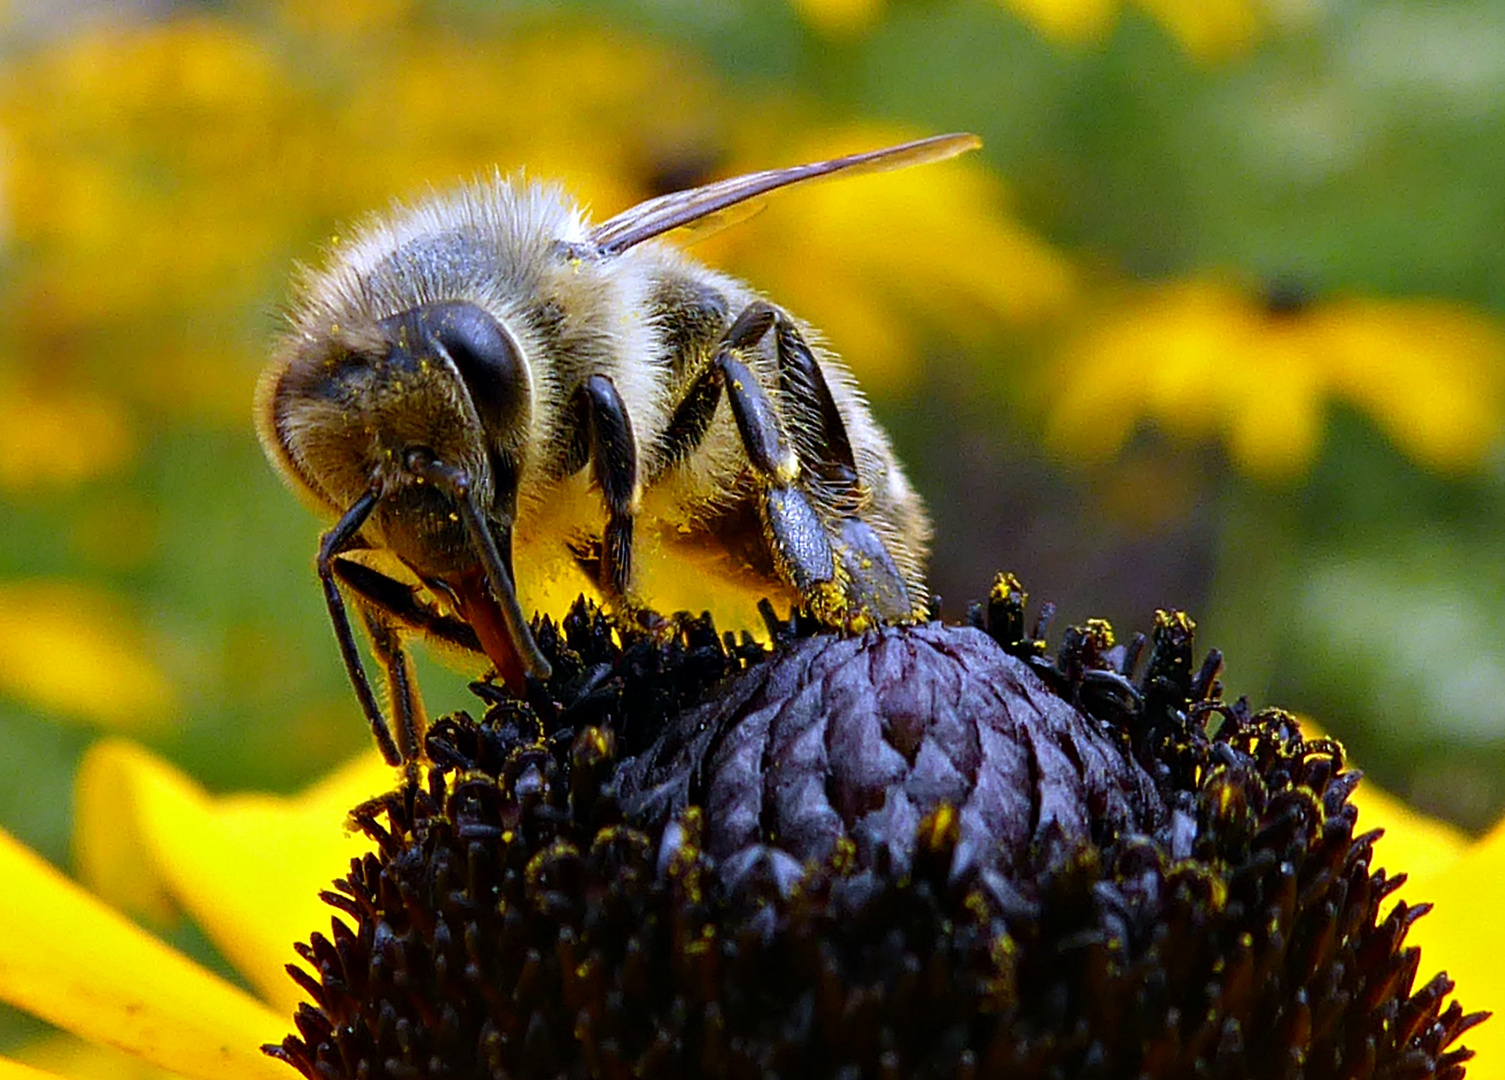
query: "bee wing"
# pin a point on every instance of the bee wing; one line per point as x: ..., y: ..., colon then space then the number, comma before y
x: 657, y: 216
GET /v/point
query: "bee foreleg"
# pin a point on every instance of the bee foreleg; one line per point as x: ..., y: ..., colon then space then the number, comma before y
x: 402, y: 603
x: 333, y: 542
x: 614, y: 467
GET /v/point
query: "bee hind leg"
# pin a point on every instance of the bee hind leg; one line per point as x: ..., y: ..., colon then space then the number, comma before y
x: 873, y: 580
x: 842, y: 568
x: 603, y: 433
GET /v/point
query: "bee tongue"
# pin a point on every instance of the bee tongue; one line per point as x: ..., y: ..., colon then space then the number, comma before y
x: 480, y: 609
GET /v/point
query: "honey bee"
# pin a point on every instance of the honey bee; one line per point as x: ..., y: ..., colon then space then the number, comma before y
x: 490, y: 394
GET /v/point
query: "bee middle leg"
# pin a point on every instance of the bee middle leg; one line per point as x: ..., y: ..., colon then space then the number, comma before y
x: 402, y: 686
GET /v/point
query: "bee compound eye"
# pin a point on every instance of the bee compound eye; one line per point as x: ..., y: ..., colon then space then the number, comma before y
x: 485, y: 355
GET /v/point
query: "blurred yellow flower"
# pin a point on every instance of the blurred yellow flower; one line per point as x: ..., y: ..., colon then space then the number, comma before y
x: 162, y: 176
x: 1209, y: 30
x: 148, y: 173
x: 150, y: 842
x: 72, y: 650
x: 320, y: 17
x: 1203, y: 358
x: 839, y: 17
x: 59, y: 438
x: 1067, y: 21
x: 132, y: 178
x: 248, y: 868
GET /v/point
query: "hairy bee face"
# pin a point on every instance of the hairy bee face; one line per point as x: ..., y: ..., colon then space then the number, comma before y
x: 356, y: 410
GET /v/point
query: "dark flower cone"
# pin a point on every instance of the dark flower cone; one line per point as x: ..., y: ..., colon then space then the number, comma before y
x: 915, y: 852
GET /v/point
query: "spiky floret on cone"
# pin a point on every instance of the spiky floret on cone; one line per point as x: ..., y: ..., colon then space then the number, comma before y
x: 922, y: 851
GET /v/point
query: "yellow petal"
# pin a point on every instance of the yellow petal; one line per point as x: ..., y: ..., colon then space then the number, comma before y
x: 73, y: 962
x: 1462, y: 937
x: 1095, y: 408
x: 71, y: 1057
x: 71, y: 650
x: 1419, y: 845
x: 1166, y: 356
x: 14, y: 1070
x: 1429, y: 371
x: 110, y: 855
x: 1273, y: 403
x: 248, y: 868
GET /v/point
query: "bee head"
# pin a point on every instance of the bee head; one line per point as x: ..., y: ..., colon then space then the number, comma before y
x: 353, y: 408
x: 449, y: 388
x: 428, y: 410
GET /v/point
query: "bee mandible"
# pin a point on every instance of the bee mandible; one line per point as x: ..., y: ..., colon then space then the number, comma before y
x: 490, y: 395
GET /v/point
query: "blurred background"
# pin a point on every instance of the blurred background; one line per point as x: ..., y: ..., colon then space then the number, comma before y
x: 1213, y: 321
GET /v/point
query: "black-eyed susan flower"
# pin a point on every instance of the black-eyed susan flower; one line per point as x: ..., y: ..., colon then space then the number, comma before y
x: 1214, y: 360
x: 928, y: 851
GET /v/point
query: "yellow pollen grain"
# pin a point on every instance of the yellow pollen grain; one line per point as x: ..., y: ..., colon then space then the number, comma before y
x: 1102, y: 632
